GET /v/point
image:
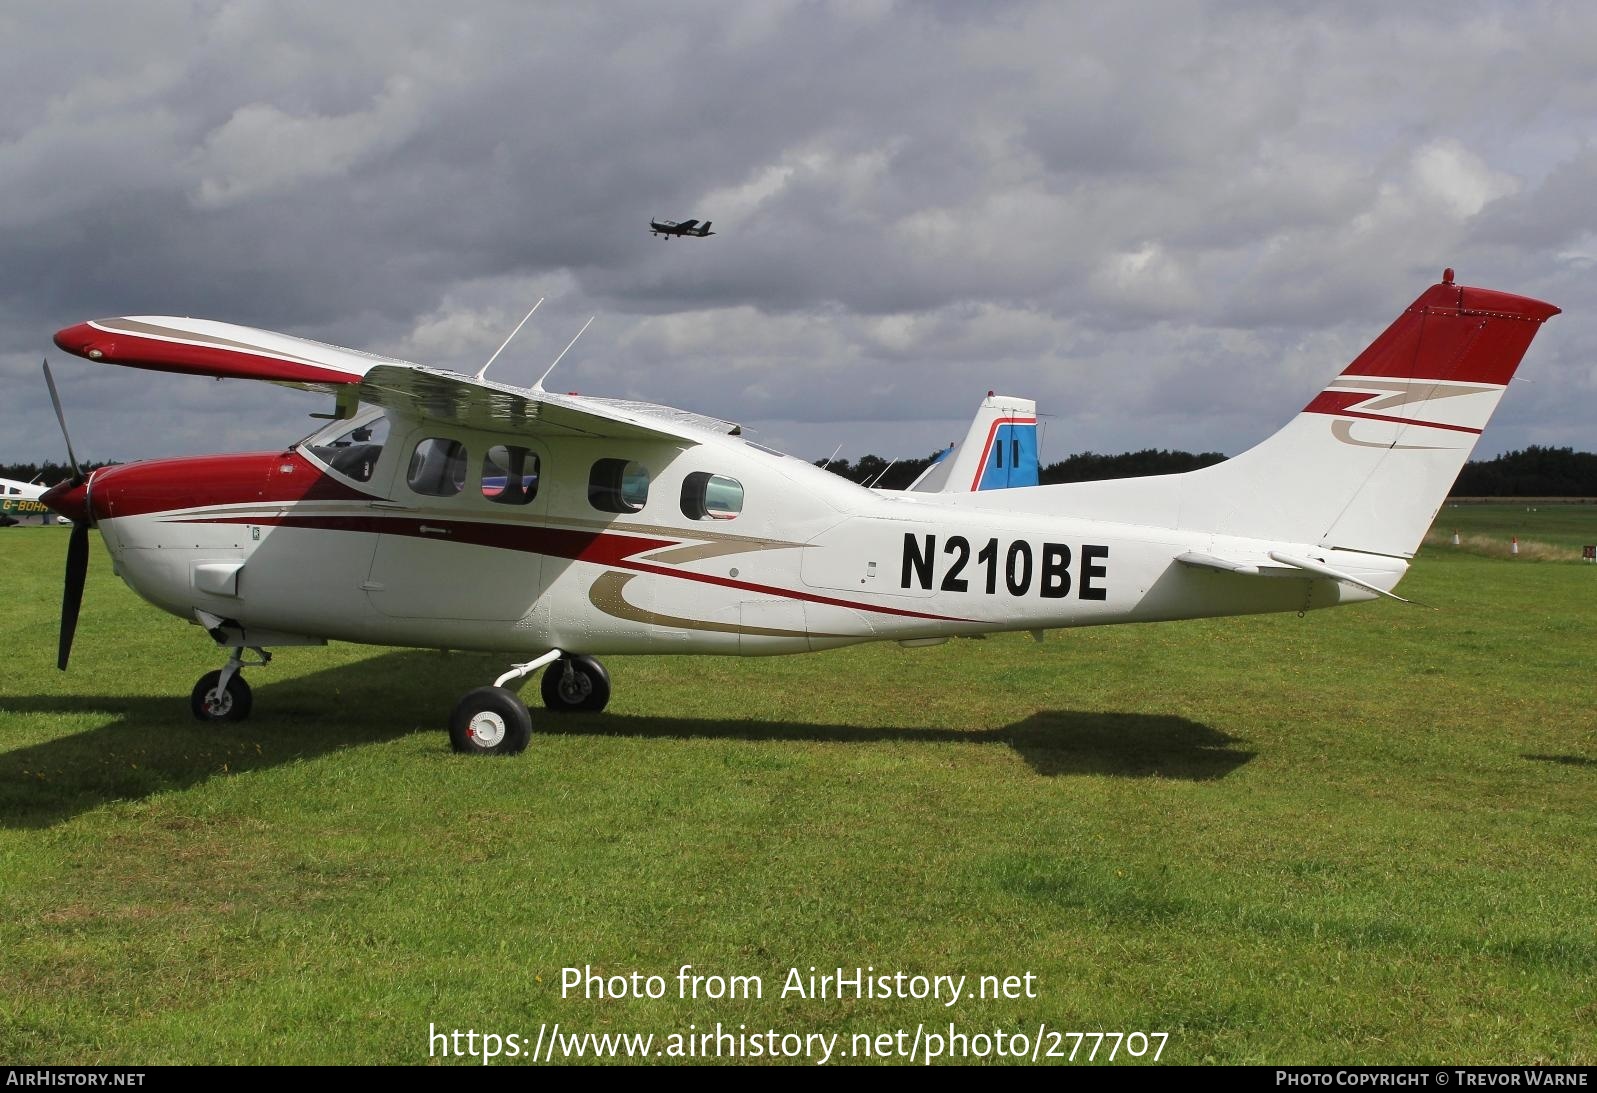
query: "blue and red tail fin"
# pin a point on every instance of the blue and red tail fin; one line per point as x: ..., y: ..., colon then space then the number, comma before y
x: 999, y: 451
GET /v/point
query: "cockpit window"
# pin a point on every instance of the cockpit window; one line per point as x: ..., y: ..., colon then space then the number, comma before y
x: 437, y: 467
x: 353, y: 453
x: 509, y: 475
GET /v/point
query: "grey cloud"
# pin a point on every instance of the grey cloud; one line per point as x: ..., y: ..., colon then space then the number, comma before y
x: 1165, y: 227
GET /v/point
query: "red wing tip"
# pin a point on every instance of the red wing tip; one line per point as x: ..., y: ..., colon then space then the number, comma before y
x: 79, y: 338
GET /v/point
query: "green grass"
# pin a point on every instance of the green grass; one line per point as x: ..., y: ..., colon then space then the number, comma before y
x: 1550, y: 532
x: 1364, y: 835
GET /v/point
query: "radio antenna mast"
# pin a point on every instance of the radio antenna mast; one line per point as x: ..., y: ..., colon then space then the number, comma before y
x: 483, y: 371
x: 539, y: 385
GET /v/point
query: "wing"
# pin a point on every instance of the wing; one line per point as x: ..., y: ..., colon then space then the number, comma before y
x: 204, y: 348
x: 447, y: 396
x: 688, y: 225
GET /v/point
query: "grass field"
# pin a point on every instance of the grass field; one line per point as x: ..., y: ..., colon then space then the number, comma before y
x: 1366, y: 835
x: 1546, y: 532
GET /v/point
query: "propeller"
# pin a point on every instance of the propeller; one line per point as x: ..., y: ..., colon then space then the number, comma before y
x: 77, y: 546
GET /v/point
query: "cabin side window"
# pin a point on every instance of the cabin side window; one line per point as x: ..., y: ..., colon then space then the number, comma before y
x: 354, y: 452
x: 618, y: 485
x: 707, y: 496
x: 509, y: 475
x: 437, y: 467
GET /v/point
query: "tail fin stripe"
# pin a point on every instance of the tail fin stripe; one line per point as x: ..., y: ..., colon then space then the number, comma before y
x: 1336, y: 403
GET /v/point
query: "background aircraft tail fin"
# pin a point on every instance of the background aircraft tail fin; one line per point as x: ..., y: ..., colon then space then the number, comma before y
x: 998, y: 452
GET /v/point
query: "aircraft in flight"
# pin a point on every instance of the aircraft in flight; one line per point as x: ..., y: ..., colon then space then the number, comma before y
x: 667, y: 228
x: 441, y: 510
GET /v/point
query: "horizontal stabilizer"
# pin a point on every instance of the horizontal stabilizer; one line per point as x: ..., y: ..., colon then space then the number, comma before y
x: 1287, y: 565
x: 1320, y: 570
x: 1231, y: 565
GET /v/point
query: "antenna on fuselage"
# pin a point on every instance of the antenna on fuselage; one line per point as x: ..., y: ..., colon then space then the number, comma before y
x: 539, y: 385
x: 881, y: 476
x: 828, y: 464
x: 483, y: 371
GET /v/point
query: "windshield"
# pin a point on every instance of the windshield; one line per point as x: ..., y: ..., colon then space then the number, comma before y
x: 351, y: 447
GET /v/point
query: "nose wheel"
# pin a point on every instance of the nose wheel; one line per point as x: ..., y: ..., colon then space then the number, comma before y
x: 223, y: 695
x: 213, y: 700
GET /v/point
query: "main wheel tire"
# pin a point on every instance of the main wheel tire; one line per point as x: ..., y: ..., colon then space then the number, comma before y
x: 210, y: 703
x: 490, y: 721
x: 586, y: 687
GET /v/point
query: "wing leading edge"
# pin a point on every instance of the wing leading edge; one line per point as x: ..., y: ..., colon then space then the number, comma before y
x: 227, y: 351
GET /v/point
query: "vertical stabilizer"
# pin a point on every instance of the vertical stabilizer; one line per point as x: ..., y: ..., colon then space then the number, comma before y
x: 999, y: 451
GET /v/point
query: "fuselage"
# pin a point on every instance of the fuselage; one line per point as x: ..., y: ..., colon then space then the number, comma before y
x: 19, y: 499
x: 446, y: 536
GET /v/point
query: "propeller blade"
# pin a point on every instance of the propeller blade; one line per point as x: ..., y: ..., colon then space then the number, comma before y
x: 72, y: 593
x: 77, y: 468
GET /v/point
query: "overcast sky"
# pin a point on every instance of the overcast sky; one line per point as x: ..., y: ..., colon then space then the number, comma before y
x: 1168, y: 223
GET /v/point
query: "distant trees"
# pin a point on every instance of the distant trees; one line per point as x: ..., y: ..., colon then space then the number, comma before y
x: 1085, y: 467
x: 1092, y: 467
x: 870, y: 467
x: 48, y: 474
x: 1534, y: 472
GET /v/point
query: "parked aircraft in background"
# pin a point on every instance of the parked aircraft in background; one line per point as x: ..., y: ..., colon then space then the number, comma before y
x: 999, y: 452
x: 448, y: 511
x: 21, y: 499
x: 668, y: 228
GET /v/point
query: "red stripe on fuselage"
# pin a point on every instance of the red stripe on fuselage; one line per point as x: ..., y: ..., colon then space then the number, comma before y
x: 599, y: 547
x: 283, y: 478
x: 161, y: 485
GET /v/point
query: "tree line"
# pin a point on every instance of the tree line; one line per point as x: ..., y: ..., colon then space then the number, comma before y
x: 47, y: 474
x: 1534, y: 472
x: 1082, y: 467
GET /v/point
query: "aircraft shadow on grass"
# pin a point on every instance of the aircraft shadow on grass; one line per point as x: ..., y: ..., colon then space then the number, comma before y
x: 151, y: 745
x: 1562, y: 760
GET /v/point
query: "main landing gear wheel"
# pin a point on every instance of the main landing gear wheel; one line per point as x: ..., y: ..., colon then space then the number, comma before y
x: 576, y: 683
x: 211, y: 702
x: 490, y: 721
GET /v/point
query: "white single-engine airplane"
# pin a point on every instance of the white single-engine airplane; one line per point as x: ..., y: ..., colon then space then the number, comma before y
x: 18, y: 499
x: 440, y: 510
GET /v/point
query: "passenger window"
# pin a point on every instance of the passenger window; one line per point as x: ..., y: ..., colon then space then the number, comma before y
x: 353, y: 454
x: 438, y: 467
x: 509, y: 475
x: 708, y: 496
x: 618, y: 485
